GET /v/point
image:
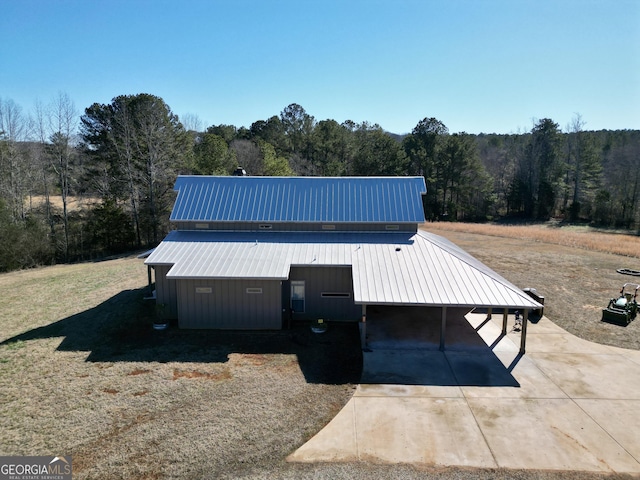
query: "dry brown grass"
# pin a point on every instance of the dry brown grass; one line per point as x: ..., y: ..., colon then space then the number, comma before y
x: 576, y: 283
x: 83, y: 373
x: 571, y: 236
x: 73, y: 203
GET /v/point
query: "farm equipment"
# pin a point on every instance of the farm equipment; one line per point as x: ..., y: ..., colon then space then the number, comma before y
x: 623, y: 309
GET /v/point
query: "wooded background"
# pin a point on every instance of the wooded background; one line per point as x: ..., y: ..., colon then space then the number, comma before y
x: 81, y: 186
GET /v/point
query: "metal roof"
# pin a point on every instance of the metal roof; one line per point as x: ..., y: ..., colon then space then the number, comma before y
x: 299, y: 199
x: 388, y: 268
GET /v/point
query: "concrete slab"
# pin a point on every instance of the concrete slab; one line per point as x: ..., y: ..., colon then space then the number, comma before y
x: 530, y: 381
x: 544, y: 325
x: 559, y: 342
x: 491, y: 335
x: 335, y: 442
x: 567, y: 404
x: 476, y: 320
x: 391, y: 390
x: 549, y: 434
x: 432, y: 431
x: 480, y: 370
x: 633, y: 355
x: 619, y: 418
x: 582, y: 375
x: 541, y: 326
x: 413, y: 367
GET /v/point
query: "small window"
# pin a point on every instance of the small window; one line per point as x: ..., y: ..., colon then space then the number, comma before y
x: 328, y: 227
x: 392, y: 227
x: 203, y: 290
x: 253, y: 290
x: 335, y: 295
x: 202, y: 226
x: 265, y: 226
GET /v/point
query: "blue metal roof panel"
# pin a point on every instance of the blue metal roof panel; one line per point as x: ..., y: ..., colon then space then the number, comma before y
x: 299, y: 199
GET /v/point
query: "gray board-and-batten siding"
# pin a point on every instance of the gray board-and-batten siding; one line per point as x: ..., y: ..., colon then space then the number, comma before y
x: 230, y: 304
x: 265, y: 304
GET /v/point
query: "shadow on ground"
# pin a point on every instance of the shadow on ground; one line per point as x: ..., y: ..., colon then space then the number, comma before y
x: 403, y: 348
x: 121, y: 330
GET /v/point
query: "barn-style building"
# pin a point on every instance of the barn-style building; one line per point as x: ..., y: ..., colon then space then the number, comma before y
x: 255, y: 252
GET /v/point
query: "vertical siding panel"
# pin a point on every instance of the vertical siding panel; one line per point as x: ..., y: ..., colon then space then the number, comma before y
x: 230, y: 307
x: 327, y: 279
x: 222, y: 294
x: 166, y: 290
x: 183, y: 302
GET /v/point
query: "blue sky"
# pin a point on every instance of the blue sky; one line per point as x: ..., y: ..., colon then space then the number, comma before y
x: 478, y: 66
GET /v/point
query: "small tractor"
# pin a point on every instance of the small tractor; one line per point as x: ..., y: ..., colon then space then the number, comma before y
x: 623, y: 309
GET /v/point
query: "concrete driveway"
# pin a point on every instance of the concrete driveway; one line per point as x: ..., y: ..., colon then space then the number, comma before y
x: 567, y: 404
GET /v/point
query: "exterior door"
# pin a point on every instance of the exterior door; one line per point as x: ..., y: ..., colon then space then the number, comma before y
x: 297, y: 296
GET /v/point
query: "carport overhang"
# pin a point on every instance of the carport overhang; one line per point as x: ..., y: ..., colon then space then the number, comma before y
x: 443, y: 318
x: 401, y: 269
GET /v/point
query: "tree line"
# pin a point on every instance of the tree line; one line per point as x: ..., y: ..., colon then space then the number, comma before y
x: 123, y: 157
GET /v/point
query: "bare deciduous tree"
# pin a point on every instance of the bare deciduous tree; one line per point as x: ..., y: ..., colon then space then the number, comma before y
x: 13, y: 164
x: 63, y: 127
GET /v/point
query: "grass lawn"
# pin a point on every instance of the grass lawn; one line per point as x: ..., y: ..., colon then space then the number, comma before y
x: 82, y: 372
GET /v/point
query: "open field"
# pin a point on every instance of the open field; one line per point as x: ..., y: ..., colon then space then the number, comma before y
x: 73, y: 203
x: 576, y: 281
x: 583, y: 237
x: 82, y: 373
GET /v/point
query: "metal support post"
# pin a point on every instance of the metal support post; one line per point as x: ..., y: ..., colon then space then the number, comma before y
x: 505, y: 314
x: 363, y: 328
x: 523, y: 333
x: 443, y: 328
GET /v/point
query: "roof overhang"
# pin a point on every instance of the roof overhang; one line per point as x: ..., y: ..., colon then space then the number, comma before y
x: 388, y: 268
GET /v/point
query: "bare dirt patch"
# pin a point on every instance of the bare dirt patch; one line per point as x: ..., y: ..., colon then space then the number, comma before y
x: 218, y: 377
x: 139, y: 371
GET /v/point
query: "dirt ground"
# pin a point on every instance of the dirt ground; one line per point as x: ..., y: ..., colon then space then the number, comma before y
x: 82, y: 373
